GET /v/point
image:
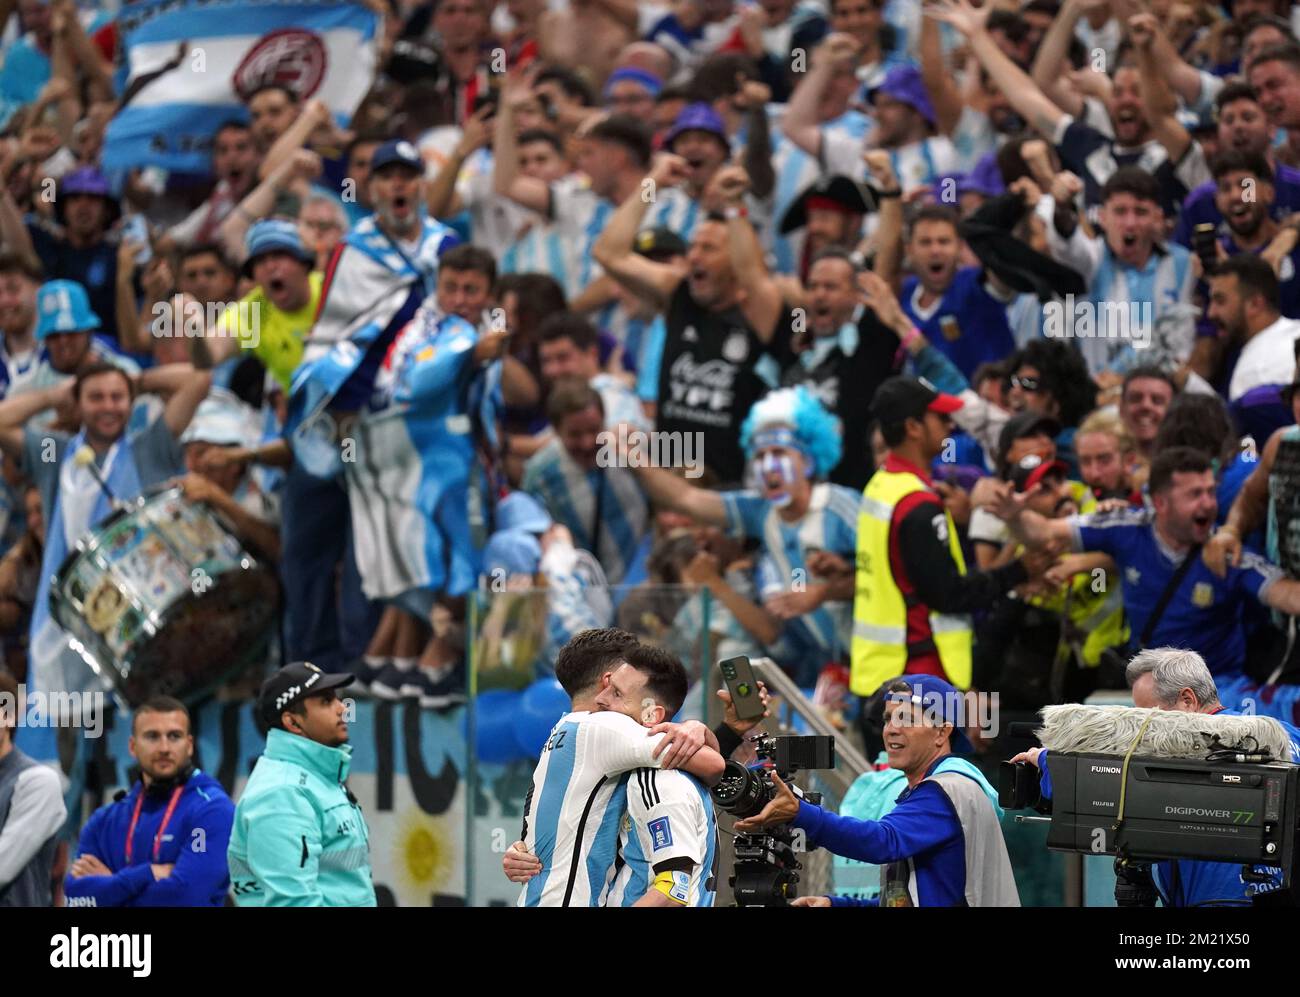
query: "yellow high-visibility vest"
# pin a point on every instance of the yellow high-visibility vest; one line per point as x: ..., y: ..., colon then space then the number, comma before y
x: 879, y: 650
x: 1094, y: 606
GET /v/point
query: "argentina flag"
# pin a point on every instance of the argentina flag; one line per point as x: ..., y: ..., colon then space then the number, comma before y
x: 319, y: 48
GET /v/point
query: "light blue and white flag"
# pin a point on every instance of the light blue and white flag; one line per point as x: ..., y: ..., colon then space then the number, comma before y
x: 318, y: 48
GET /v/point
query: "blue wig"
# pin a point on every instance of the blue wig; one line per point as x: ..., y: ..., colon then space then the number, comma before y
x: 816, y: 431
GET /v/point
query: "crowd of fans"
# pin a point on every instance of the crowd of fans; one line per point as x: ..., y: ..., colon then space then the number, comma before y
x: 416, y: 355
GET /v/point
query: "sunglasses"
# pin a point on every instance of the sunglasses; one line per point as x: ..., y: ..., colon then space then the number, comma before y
x: 1032, y: 384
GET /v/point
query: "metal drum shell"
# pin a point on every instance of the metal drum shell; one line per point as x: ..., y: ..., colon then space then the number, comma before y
x: 189, y: 644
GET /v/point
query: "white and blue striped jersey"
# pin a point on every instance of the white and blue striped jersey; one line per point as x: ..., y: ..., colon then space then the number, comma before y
x: 563, y: 248
x: 495, y: 220
x: 1144, y: 316
x: 917, y: 164
x: 542, y: 249
x: 973, y: 138
x: 412, y: 454
x: 831, y: 524
x: 669, y: 816
x: 576, y: 804
x: 796, y: 170
x: 604, y: 508
x: 18, y: 368
x: 579, y: 216
x: 675, y: 209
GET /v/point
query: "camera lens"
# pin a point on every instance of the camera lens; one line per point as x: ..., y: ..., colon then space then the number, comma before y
x: 742, y: 792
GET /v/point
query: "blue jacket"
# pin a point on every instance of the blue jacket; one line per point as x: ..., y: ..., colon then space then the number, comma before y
x: 194, y: 842
x: 922, y: 826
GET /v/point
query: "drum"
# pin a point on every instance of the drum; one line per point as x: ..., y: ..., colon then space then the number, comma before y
x: 165, y: 599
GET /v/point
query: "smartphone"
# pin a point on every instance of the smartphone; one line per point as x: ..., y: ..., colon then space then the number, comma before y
x: 1203, y: 243
x: 738, y: 677
x: 136, y: 229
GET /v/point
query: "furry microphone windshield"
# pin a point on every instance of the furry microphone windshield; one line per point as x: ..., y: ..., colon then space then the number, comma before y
x: 1110, y: 730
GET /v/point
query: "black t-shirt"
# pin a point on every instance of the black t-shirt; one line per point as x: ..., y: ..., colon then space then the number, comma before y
x: 707, y: 378
x: 1094, y: 157
x: 846, y: 384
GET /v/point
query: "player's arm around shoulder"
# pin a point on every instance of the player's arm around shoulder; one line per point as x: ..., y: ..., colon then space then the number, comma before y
x: 628, y: 745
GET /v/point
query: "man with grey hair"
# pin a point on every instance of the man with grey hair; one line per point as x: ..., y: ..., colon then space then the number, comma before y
x: 1172, y: 678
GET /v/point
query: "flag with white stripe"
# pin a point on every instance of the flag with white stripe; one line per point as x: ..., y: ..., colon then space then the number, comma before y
x: 320, y: 48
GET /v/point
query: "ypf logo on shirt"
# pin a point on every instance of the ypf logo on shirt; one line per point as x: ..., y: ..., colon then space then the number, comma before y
x: 661, y: 834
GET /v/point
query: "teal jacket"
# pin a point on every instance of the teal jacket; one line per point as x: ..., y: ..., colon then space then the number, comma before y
x: 299, y: 838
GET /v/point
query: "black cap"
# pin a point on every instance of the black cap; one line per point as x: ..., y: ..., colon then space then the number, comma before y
x: 832, y: 191
x: 1022, y: 425
x: 294, y: 682
x: 659, y: 241
x: 901, y: 397
x: 1031, y: 469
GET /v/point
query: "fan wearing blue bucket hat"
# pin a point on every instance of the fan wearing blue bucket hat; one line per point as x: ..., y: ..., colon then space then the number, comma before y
x: 81, y: 248
x: 942, y: 844
x: 68, y: 336
x: 906, y: 123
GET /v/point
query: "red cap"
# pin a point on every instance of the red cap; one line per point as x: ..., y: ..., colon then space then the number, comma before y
x: 946, y: 404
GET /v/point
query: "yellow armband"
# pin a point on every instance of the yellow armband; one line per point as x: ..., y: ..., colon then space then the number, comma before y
x: 676, y: 886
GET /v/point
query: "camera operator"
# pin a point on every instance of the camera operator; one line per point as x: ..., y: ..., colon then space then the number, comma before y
x: 1169, y: 678
x: 941, y: 845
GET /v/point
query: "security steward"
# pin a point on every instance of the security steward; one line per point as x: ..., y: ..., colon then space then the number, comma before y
x: 913, y: 595
x: 300, y: 839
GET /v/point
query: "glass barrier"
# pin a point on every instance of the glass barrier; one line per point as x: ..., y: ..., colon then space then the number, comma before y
x: 515, y: 702
x: 443, y: 791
